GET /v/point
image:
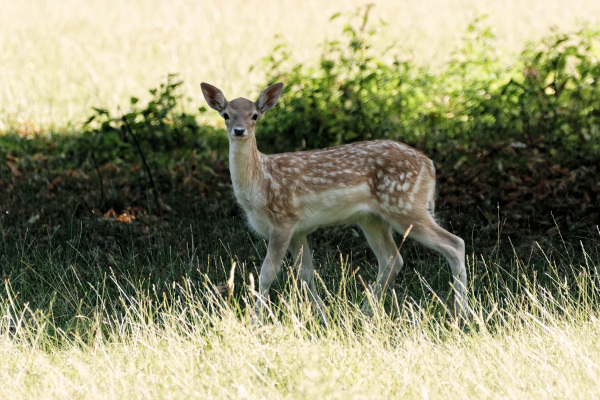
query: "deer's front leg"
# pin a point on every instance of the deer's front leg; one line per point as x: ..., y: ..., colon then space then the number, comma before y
x: 279, y: 240
x: 304, y: 265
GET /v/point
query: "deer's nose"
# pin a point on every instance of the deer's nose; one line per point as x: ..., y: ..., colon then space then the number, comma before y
x: 239, y: 131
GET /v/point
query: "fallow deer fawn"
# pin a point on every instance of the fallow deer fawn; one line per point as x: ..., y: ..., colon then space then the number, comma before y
x: 381, y: 185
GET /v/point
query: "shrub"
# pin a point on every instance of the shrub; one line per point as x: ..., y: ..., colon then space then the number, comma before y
x: 554, y: 94
x: 548, y: 95
x: 157, y: 128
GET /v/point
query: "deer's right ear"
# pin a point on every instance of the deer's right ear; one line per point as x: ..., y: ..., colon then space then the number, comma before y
x: 213, y: 96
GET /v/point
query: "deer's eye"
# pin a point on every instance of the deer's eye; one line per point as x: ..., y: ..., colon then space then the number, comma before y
x: 255, y: 117
x: 226, y: 116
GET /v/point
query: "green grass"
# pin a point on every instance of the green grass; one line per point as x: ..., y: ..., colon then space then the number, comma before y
x: 100, y: 309
x: 128, y: 331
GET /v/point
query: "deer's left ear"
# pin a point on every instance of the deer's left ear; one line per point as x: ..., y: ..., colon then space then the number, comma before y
x: 269, y: 97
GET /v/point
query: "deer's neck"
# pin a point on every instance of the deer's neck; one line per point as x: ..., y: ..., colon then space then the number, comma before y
x: 245, y: 165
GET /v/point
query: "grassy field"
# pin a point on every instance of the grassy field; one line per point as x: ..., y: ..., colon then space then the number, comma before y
x: 106, y: 294
x: 190, y: 340
x: 532, y: 359
x: 98, y: 309
x: 60, y: 58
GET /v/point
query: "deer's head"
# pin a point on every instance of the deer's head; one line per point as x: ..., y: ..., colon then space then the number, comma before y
x: 241, y: 114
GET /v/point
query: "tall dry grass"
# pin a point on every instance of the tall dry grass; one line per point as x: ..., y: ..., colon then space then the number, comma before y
x: 60, y: 57
x: 543, y: 344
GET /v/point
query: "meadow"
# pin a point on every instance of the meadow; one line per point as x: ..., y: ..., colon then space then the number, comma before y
x: 534, y: 338
x: 128, y: 269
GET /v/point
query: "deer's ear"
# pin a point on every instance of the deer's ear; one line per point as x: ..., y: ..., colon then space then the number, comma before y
x: 213, y: 96
x: 269, y: 97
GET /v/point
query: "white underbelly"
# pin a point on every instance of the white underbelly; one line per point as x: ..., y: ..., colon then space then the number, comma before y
x: 333, y: 207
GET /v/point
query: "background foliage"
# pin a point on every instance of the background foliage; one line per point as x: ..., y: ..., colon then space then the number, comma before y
x: 549, y: 94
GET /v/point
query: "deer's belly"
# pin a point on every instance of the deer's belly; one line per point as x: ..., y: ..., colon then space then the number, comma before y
x: 334, y: 207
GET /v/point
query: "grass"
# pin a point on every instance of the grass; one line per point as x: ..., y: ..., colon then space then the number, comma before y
x: 60, y: 58
x: 126, y: 314
x: 189, y: 339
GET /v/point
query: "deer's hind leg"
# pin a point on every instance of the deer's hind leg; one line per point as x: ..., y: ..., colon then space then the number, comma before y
x: 430, y: 234
x: 380, y: 239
